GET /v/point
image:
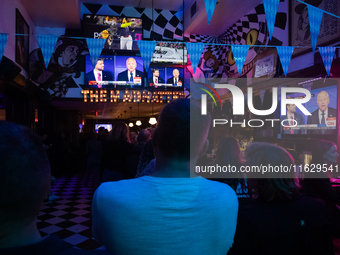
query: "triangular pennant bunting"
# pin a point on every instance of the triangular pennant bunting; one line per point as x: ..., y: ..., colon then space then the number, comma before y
x: 95, y: 48
x: 47, y: 45
x: 146, y: 49
x: 285, y: 54
x: 3, y: 42
x: 327, y: 54
x: 270, y: 8
x: 240, y: 53
x: 210, y: 7
x: 315, y: 17
x: 195, y: 52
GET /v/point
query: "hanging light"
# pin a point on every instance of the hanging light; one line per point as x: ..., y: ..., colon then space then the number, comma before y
x: 138, y: 122
x: 130, y: 124
x: 153, y: 121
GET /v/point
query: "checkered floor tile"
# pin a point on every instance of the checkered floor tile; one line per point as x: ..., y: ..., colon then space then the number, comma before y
x: 70, y: 216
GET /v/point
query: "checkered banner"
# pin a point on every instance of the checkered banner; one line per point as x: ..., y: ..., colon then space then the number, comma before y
x: 210, y: 7
x: 285, y: 55
x: 270, y: 8
x: 327, y: 54
x: 146, y: 49
x: 95, y: 48
x: 315, y: 17
x: 195, y: 52
x: 240, y: 53
x: 3, y: 41
x: 47, y: 45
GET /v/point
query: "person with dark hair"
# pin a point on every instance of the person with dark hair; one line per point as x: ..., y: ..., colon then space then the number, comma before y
x: 155, y: 79
x: 115, y: 153
x: 317, y: 184
x: 280, y: 220
x: 291, y: 119
x: 98, y: 74
x: 24, y: 183
x: 94, y: 151
x: 171, y: 212
x: 228, y: 153
x: 133, y: 158
x: 145, y: 158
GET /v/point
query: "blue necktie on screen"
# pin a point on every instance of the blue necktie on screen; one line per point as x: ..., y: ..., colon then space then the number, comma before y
x: 131, y: 77
x: 323, y: 121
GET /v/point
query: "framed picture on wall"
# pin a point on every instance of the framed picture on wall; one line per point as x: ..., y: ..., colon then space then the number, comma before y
x: 22, y: 31
x: 299, y: 24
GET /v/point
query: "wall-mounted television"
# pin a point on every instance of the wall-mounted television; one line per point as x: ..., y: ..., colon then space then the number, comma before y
x: 170, y: 53
x: 108, y: 127
x: 121, y: 33
x: 114, y: 72
x: 165, y: 77
x: 323, y: 106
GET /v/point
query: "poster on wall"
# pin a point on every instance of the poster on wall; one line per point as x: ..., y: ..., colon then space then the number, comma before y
x: 22, y: 31
x: 299, y: 24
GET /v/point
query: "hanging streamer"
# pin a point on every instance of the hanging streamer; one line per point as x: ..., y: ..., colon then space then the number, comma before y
x: 210, y: 7
x: 315, y: 17
x: 47, y: 45
x: 146, y: 49
x: 3, y: 42
x: 195, y: 52
x: 95, y: 48
x: 285, y: 55
x: 327, y: 54
x: 240, y: 53
x: 270, y: 9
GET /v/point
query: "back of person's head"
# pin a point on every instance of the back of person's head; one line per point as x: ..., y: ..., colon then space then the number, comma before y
x: 228, y: 152
x: 24, y: 177
x: 278, y: 184
x: 119, y: 132
x: 143, y: 136
x: 172, y: 135
x: 318, y: 149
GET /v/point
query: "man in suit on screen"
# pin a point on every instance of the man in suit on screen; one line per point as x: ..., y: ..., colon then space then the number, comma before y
x: 98, y: 74
x: 175, y: 80
x: 321, y: 115
x: 155, y: 79
x: 292, y: 119
x: 131, y: 73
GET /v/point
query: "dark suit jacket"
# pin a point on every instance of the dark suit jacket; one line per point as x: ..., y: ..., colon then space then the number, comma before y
x: 150, y: 80
x: 171, y: 80
x: 298, y: 117
x: 314, y: 119
x: 107, y: 76
x: 123, y: 76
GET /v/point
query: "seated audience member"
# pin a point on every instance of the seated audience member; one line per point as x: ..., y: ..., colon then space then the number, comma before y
x: 133, y: 158
x: 145, y: 158
x: 324, y: 153
x: 280, y: 220
x: 115, y: 153
x: 168, y: 212
x: 228, y: 154
x: 24, y: 183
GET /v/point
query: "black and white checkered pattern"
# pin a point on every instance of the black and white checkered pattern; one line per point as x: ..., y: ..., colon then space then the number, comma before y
x: 157, y: 24
x: 70, y: 216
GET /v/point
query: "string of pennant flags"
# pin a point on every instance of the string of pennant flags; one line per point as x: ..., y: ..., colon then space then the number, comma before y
x: 47, y: 43
x: 95, y: 46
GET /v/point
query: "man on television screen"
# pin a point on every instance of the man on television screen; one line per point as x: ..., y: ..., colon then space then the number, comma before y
x: 175, y: 80
x: 131, y: 73
x: 321, y: 115
x: 155, y: 79
x: 98, y: 73
x: 288, y: 120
